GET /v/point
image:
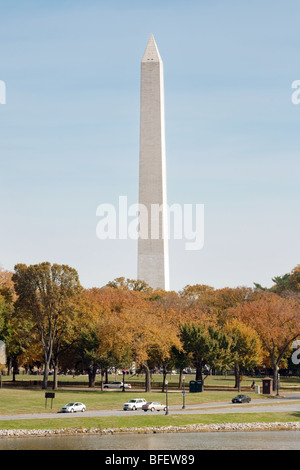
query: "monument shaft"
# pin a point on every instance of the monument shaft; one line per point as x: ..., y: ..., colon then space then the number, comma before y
x: 153, y: 259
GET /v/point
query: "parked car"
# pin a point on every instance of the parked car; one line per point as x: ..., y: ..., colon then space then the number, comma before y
x: 116, y: 385
x: 73, y: 407
x: 241, y: 399
x: 154, y: 406
x: 134, y: 404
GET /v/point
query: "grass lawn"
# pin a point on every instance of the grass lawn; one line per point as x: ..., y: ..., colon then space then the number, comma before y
x: 148, y: 420
x: 211, y: 381
x: 20, y: 401
x: 218, y: 380
x: 16, y: 401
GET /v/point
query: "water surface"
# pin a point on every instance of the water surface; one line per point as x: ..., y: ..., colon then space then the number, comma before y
x: 258, y: 440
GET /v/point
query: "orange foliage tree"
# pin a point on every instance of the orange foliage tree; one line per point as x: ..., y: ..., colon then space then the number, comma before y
x: 277, y: 323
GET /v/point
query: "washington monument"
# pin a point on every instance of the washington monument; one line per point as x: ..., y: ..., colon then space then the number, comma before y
x: 153, y: 256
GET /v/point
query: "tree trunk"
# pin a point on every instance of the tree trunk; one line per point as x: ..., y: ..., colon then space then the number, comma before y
x: 55, y: 375
x: 275, y: 379
x: 147, y: 378
x: 237, y: 376
x: 47, y: 361
x: 9, y: 366
x: 102, y: 377
x: 199, y: 372
x: 15, y: 369
x: 92, y: 376
x: 46, y: 375
x: 180, y: 380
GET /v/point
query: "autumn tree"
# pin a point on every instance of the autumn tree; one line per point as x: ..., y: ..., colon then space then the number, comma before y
x: 196, y: 291
x: 294, y: 283
x: 68, y: 332
x: 284, y: 284
x: 151, y: 340
x: 246, y: 348
x: 45, y: 293
x: 105, y: 339
x: 8, y: 330
x: 207, y: 304
x: 6, y: 281
x: 18, y: 335
x: 277, y: 323
x: 134, y: 326
x: 167, y: 311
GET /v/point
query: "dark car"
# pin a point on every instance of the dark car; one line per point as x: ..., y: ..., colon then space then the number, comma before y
x: 241, y: 399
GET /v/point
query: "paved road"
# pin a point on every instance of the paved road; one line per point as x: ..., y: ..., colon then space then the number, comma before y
x: 290, y: 403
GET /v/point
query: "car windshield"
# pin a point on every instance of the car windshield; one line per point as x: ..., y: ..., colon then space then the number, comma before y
x: 240, y: 396
x: 132, y: 401
x: 70, y: 404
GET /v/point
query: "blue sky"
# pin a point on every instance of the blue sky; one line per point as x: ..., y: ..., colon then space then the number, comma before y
x: 69, y: 132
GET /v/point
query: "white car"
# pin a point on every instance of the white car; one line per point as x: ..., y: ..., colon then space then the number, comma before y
x: 134, y: 404
x: 73, y: 407
x: 116, y: 385
x: 154, y: 406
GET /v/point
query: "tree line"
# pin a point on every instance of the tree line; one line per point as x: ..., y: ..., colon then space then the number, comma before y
x: 47, y: 317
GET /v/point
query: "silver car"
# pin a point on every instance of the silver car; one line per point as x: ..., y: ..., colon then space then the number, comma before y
x: 73, y: 407
x: 154, y: 406
x: 134, y: 404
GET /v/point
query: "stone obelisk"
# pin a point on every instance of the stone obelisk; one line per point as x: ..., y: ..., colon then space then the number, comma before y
x: 153, y: 256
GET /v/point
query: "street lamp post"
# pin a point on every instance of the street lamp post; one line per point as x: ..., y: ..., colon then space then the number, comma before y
x: 167, y: 405
x: 183, y: 392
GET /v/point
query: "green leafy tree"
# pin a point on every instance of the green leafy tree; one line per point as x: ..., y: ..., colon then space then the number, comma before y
x: 44, y: 294
x: 181, y: 360
x: 88, y: 347
x: 207, y: 346
x: 131, y: 284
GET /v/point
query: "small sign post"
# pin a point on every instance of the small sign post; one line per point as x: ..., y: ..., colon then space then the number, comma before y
x: 49, y: 395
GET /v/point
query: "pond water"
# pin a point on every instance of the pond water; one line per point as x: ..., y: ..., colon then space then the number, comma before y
x: 258, y: 440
